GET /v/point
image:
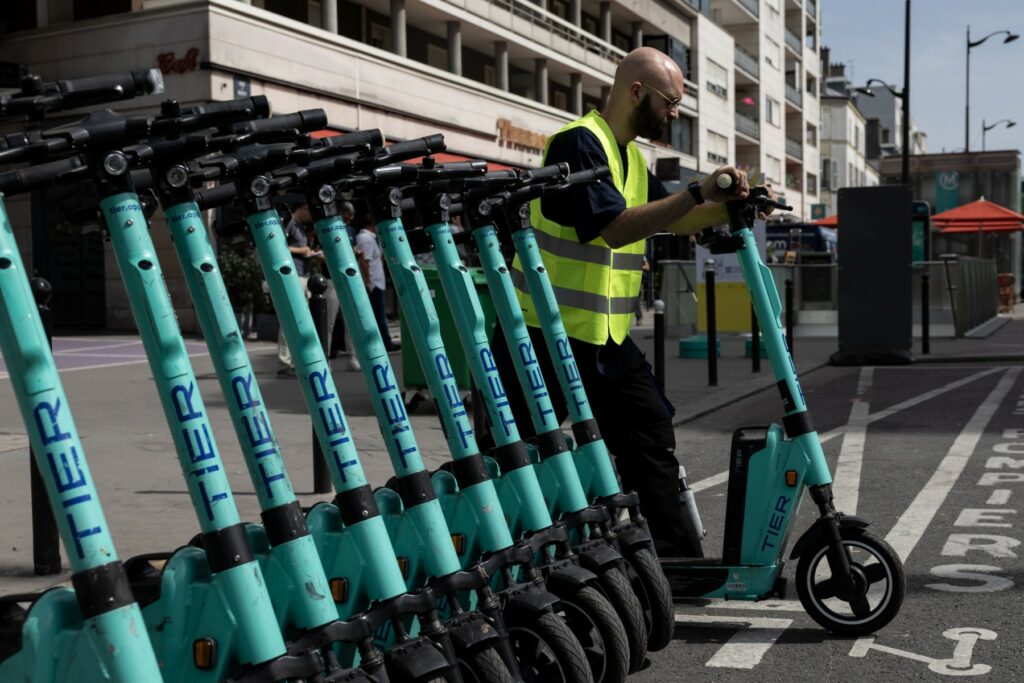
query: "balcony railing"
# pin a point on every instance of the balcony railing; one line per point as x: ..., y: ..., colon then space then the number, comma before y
x: 748, y: 62
x: 794, y: 95
x: 812, y: 8
x: 794, y: 148
x: 748, y: 125
x: 527, y: 17
x: 793, y: 41
x: 753, y: 5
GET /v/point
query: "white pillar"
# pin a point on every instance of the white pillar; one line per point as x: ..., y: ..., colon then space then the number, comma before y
x: 576, y: 94
x: 455, y: 47
x: 540, y: 80
x: 398, y: 42
x: 638, y: 34
x: 329, y: 15
x: 501, y: 65
x: 606, y: 22
x: 576, y: 12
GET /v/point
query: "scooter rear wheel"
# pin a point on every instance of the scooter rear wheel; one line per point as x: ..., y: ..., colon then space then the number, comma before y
x: 659, y: 612
x: 548, y: 652
x: 620, y: 594
x: 597, y: 626
x: 880, y: 584
x: 486, y: 666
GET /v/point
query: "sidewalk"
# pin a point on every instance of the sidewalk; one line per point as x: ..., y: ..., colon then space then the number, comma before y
x: 138, y: 478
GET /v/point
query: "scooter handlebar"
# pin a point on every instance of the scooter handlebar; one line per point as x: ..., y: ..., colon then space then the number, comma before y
x: 304, y: 121
x: 216, y: 196
x: 410, y: 149
x: 355, y: 140
x: 35, y: 177
x: 38, y: 97
x: 588, y: 175
x: 551, y: 172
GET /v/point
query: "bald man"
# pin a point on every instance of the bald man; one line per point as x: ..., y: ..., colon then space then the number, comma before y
x: 592, y: 242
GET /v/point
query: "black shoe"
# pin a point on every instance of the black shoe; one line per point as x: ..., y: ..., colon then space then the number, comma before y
x: 287, y: 373
x: 392, y: 347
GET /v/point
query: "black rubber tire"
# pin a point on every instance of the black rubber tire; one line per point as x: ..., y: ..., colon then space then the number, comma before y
x: 659, y: 610
x: 620, y: 594
x: 887, y: 567
x: 485, y: 666
x: 548, y: 652
x: 597, y: 626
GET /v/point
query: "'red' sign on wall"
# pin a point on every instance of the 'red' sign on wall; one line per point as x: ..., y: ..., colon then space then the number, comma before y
x: 170, y: 63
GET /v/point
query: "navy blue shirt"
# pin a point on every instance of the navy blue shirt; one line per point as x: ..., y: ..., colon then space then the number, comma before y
x: 591, y: 207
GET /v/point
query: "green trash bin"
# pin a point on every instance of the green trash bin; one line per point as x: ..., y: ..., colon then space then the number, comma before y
x: 412, y: 372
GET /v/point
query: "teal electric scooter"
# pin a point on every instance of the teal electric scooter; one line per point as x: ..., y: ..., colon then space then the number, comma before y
x: 64, y: 635
x: 849, y: 581
x: 519, y: 485
x: 471, y: 641
x: 492, y: 218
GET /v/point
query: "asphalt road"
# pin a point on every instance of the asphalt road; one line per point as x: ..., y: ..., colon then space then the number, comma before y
x: 934, y: 457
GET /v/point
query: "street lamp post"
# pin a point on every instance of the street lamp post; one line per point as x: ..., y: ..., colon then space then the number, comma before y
x: 985, y: 128
x: 903, y: 96
x: 1010, y: 37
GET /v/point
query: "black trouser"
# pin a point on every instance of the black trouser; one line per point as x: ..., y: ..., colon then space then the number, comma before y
x: 634, y: 417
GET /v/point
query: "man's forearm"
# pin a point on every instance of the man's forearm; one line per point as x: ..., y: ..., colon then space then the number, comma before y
x: 676, y: 213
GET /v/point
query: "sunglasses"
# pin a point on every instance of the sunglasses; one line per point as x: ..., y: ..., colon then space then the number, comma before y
x: 672, y: 103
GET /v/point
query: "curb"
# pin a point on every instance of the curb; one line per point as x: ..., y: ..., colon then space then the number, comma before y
x: 729, y: 400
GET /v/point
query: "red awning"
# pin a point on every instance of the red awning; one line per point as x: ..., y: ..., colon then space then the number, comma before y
x: 979, y: 216
x: 829, y: 221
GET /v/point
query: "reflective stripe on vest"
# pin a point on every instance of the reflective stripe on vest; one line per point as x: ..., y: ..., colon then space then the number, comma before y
x: 595, y: 285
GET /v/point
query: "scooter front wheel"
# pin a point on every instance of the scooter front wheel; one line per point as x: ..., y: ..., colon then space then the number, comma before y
x: 485, y: 666
x: 548, y: 652
x: 879, y: 584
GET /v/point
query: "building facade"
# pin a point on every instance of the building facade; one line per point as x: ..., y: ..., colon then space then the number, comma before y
x: 496, y: 77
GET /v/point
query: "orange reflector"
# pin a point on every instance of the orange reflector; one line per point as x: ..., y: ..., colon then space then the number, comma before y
x: 204, y: 653
x: 790, y: 477
x: 339, y: 589
x: 459, y: 541
x: 403, y: 565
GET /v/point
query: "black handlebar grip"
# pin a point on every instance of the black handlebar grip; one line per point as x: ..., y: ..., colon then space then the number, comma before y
x: 396, y: 173
x: 588, y: 175
x: 216, y: 196
x: 34, y: 177
x: 356, y: 140
x: 458, y: 168
x: 259, y: 105
x: 554, y: 171
x: 415, y: 148
x: 129, y: 84
x: 305, y: 121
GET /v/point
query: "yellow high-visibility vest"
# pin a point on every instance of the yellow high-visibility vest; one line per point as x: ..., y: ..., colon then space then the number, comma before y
x: 596, y: 286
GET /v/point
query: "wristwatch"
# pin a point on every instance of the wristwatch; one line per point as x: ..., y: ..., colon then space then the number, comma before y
x: 694, y: 188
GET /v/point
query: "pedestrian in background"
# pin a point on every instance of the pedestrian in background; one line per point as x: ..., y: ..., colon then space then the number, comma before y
x: 372, y: 267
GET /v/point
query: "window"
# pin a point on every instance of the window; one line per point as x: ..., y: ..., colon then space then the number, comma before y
x: 489, y: 75
x: 885, y: 136
x: 849, y: 173
x: 773, y: 111
x: 812, y: 184
x: 856, y: 136
x: 717, y: 79
x: 772, y: 53
x: 680, y: 135
x: 380, y: 36
x: 437, y: 56
x: 812, y: 86
x: 774, y: 171
x: 812, y: 135
x: 101, y: 8
x: 835, y: 175
x: 560, y: 100
x: 825, y: 161
x: 718, y: 148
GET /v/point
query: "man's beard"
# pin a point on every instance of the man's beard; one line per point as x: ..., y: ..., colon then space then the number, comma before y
x: 646, y: 123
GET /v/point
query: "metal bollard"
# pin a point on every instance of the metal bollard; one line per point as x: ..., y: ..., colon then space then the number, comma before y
x: 45, y: 537
x: 755, y: 342
x: 659, y: 343
x: 709, y: 291
x: 925, y: 316
x: 790, y: 315
x: 317, y: 285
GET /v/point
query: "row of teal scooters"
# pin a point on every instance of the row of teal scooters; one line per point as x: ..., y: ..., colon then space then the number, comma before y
x: 521, y: 564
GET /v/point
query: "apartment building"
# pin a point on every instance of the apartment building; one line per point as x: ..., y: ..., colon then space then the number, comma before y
x: 495, y: 76
x: 777, y: 77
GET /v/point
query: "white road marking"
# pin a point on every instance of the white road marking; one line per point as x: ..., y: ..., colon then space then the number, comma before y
x: 957, y: 665
x: 6, y: 375
x: 722, y: 477
x: 747, y: 647
x: 999, y: 497
x: 908, y: 530
x: 772, y: 605
x: 115, y: 345
x: 846, y: 482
